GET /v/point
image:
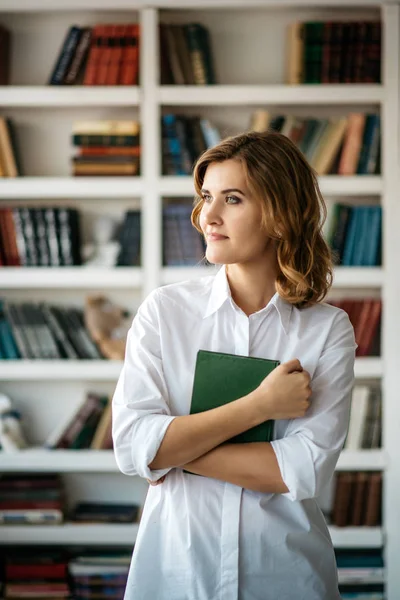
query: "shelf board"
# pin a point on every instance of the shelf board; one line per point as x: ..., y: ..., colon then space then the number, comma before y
x: 123, y: 534
x: 63, y: 96
x: 63, y: 461
x: 70, y: 278
x: 368, y: 367
x: 197, y: 95
x: 96, y: 534
x: 331, y: 185
x: 362, y: 460
x: 356, y: 537
x: 60, y: 370
x: 70, y: 187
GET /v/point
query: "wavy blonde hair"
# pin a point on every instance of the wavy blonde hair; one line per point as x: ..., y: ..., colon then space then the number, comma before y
x: 293, y: 209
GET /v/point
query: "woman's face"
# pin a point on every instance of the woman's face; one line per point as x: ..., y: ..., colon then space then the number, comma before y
x: 230, y: 218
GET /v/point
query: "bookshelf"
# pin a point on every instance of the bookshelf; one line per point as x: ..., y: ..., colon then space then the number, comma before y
x: 29, y: 101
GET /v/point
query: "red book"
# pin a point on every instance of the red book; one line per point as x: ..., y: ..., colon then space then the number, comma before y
x: 372, y: 327
x: 104, y: 55
x: 130, y: 56
x: 30, y: 504
x: 36, y: 571
x: 116, y: 47
x: 109, y: 151
x: 94, y: 55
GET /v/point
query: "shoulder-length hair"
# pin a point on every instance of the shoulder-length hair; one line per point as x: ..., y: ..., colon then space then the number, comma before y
x: 293, y: 209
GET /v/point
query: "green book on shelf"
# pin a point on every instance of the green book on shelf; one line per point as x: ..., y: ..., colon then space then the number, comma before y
x: 221, y: 378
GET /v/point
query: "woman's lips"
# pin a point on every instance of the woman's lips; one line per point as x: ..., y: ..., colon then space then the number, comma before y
x: 214, y: 237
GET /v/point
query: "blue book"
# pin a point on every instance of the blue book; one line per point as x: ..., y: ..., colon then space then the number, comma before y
x: 372, y: 125
x: 351, y: 237
x: 373, y: 252
x: 362, y: 236
x: 8, y: 346
x: 66, y: 55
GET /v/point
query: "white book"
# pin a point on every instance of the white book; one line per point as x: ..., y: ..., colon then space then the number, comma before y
x: 358, y: 417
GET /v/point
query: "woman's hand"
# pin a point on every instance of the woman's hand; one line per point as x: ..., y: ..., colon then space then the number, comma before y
x: 285, y: 393
x: 156, y: 482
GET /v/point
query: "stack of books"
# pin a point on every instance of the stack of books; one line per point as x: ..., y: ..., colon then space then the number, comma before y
x: 31, y: 499
x: 361, y: 573
x: 38, y: 573
x: 365, y: 426
x: 105, y: 512
x: 10, y: 160
x: 365, y: 316
x: 354, y: 233
x: 185, y: 54
x: 184, y: 139
x: 31, y: 330
x: 334, y: 52
x: 106, y: 148
x: 348, y: 145
x: 101, y: 55
x: 41, y: 236
x: 89, y: 427
x: 357, y: 499
x: 182, y: 243
x: 101, y: 574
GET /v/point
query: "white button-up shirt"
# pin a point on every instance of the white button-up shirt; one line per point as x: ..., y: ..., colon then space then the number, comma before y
x: 205, y: 539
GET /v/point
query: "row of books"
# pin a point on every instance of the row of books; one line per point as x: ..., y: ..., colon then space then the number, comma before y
x: 184, y: 139
x: 186, y: 55
x: 106, y: 54
x: 106, y: 148
x: 365, y: 316
x: 357, y: 499
x: 88, y: 427
x: 65, y: 572
x: 365, y: 425
x: 348, y: 145
x: 31, y: 330
x: 334, y: 52
x: 355, y: 235
x: 361, y: 573
x: 182, y: 244
x: 48, y: 236
x: 10, y: 161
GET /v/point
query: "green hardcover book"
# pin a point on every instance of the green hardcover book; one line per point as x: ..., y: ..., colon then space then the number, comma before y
x: 221, y: 378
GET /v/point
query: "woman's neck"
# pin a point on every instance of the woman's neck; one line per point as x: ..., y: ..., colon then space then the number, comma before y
x: 252, y: 287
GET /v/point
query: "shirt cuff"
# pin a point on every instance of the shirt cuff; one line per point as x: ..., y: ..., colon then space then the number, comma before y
x: 297, y: 467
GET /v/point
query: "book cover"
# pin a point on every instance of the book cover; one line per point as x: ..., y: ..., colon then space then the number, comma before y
x: 221, y: 378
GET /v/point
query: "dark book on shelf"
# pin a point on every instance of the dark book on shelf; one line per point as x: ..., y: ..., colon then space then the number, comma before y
x: 105, y: 512
x: 65, y: 56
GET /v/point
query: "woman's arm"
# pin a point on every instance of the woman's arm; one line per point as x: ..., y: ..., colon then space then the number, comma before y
x: 251, y: 466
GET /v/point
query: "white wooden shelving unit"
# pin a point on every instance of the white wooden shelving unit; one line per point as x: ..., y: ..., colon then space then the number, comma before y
x: 47, y: 113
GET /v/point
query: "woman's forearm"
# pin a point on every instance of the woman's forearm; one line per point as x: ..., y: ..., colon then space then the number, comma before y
x: 251, y: 466
x: 190, y: 436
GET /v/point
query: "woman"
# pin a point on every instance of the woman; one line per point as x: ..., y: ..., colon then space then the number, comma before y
x: 250, y: 528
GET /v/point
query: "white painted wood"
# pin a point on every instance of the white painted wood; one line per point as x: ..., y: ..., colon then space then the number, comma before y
x: 390, y: 295
x: 62, y: 96
x: 70, y: 187
x: 362, y: 460
x: 54, y: 370
x: 331, y: 185
x: 96, y: 534
x: 278, y: 95
x: 357, y: 537
x: 70, y: 278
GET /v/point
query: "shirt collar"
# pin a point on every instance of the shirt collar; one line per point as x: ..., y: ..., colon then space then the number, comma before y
x: 220, y: 292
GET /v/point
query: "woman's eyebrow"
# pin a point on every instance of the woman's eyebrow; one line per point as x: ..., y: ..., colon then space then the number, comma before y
x: 225, y: 191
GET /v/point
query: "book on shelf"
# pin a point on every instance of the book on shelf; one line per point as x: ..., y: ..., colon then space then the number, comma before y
x: 184, y: 138
x: 182, y: 243
x: 106, y: 54
x: 333, y: 52
x: 357, y: 499
x: 104, y: 512
x: 354, y: 234
x: 5, y: 54
x: 43, y: 331
x: 364, y: 431
x: 10, y: 159
x: 347, y: 145
x: 40, y: 236
x: 365, y: 316
x: 186, y: 55
x: 361, y: 573
x: 106, y: 148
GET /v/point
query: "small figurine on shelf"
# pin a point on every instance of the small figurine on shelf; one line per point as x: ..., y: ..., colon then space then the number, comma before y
x: 104, y: 250
x: 11, y: 435
x: 108, y: 326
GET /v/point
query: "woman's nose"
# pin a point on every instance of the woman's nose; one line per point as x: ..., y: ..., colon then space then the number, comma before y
x: 212, y: 213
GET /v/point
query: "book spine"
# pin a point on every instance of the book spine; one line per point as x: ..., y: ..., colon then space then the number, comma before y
x: 79, y: 58
x: 65, y: 57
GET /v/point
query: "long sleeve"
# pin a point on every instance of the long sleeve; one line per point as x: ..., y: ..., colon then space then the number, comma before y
x: 141, y: 413
x: 308, y: 453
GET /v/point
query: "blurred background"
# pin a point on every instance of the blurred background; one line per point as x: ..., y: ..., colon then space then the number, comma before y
x: 104, y: 108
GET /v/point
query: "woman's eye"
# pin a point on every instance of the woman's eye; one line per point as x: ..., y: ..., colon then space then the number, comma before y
x: 233, y: 199
x: 206, y: 197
